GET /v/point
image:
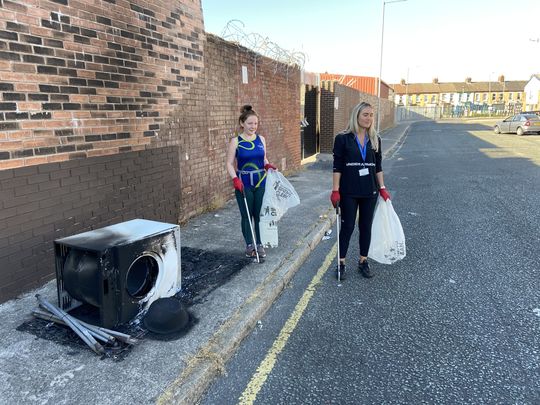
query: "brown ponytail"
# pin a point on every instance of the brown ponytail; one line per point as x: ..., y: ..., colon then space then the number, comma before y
x: 245, y: 112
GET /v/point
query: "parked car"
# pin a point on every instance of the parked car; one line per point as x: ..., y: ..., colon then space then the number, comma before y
x: 518, y: 124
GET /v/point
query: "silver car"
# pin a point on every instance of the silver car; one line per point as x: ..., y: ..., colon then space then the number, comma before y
x: 518, y: 124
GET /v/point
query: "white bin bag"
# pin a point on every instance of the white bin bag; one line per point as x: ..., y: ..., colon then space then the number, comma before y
x: 279, y: 196
x: 387, y: 237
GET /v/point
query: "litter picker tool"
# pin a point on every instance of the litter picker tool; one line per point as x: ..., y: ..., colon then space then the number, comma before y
x: 251, y: 228
x: 338, y: 220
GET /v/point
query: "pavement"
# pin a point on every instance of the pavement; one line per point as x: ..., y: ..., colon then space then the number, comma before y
x: 38, y: 369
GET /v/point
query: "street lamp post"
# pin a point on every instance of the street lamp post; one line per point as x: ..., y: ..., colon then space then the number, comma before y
x: 384, y: 2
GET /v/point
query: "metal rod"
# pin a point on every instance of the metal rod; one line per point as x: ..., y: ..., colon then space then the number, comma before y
x: 338, y: 219
x: 80, y: 330
x: 251, y: 228
x: 121, y: 336
x: 112, y: 334
x: 50, y: 317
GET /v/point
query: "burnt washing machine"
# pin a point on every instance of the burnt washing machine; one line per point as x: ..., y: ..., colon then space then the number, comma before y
x: 118, y: 270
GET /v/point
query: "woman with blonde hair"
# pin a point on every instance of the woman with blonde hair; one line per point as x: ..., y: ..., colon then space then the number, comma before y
x: 357, y: 181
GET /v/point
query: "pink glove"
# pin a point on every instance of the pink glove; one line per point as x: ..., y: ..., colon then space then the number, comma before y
x: 238, y: 185
x: 335, y: 198
x: 269, y: 166
x: 384, y: 194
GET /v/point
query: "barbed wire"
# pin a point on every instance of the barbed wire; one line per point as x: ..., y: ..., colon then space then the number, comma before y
x: 234, y: 32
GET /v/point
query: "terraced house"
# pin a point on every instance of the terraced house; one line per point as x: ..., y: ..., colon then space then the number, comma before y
x: 532, y: 94
x: 463, y: 98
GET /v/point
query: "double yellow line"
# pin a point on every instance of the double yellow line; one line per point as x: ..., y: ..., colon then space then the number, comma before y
x: 265, y: 368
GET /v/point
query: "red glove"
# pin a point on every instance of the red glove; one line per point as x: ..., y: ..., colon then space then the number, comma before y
x: 238, y: 185
x: 335, y: 197
x: 384, y: 194
x: 269, y: 166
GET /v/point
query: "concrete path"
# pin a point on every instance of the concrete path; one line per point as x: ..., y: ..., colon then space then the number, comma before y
x: 42, y: 371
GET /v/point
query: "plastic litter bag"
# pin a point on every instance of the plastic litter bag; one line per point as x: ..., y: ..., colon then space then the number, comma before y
x: 387, y: 237
x: 279, y: 196
x: 269, y: 233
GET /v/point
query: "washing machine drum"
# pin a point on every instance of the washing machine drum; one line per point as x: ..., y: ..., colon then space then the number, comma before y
x: 82, y: 277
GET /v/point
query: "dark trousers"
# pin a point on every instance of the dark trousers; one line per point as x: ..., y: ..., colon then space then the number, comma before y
x: 350, y: 206
x: 254, y: 197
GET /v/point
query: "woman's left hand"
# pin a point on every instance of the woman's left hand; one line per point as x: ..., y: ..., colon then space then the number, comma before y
x: 384, y: 194
x: 269, y: 166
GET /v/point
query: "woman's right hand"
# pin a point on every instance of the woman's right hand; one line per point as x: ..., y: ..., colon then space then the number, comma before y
x: 238, y: 185
x: 335, y: 198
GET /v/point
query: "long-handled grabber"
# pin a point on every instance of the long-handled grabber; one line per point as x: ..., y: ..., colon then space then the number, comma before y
x: 251, y: 228
x: 338, y: 223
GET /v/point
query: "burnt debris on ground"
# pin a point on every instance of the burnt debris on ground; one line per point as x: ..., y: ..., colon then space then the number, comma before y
x: 202, y: 272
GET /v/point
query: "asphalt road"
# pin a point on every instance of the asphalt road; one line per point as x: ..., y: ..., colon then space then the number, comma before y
x: 457, y: 321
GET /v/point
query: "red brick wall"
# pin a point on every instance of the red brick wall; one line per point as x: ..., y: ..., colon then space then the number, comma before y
x: 83, y: 79
x: 334, y: 120
x: 115, y: 111
x: 208, y: 118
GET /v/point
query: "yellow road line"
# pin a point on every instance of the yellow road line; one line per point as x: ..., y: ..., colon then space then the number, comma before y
x: 266, y: 366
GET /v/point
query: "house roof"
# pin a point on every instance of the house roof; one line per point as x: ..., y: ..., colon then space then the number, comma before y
x: 460, y: 87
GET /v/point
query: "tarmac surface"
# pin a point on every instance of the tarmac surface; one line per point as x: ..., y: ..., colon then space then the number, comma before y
x: 225, y: 293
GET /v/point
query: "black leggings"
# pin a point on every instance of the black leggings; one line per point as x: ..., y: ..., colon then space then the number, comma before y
x: 254, y: 197
x: 349, y: 207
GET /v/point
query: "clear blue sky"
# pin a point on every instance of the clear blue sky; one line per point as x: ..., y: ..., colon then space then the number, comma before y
x: 447, y: 39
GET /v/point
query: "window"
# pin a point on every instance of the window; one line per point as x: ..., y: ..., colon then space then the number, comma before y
x: 510, y: 96
x: 485, y: 97
x: 493, y: 95
x: 519, y: 96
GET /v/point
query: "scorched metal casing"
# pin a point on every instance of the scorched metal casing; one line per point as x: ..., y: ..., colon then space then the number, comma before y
x: 119, y: 269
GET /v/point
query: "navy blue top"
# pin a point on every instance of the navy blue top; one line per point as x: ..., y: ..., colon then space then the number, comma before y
x: 250, y: 162
x: 348, y: 161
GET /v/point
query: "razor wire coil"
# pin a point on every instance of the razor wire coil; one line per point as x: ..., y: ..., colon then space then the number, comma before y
x: 280, y: 58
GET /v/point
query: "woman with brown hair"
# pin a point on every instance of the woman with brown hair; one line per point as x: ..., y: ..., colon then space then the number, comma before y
x: 248, y: 149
